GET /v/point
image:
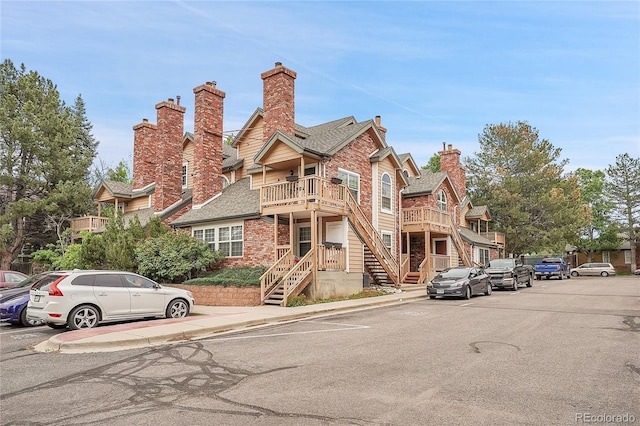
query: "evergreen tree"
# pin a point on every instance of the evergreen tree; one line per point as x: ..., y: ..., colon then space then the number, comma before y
x: 623, y: 189
x: 43, y: 143
x: 520, y: 177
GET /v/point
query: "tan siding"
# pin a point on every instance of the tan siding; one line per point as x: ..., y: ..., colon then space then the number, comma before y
x: 249, y: 146
x: 137, y: 204
x: 355, y: 261
x: 187, y: 157
x: 280, y: 152
x: 386, y: 221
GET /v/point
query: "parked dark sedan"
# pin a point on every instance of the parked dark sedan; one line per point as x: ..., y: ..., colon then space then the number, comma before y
x: 13, y: 302
x: 460, y: 282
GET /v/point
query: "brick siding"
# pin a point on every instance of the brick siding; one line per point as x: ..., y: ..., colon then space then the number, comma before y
x: 168, y: 176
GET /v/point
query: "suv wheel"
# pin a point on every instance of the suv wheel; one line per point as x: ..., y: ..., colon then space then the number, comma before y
x: 604, y: 273
x: 177, y: 309
x: 84, y: 316
x: 515, y: 285
x: 530, y: 281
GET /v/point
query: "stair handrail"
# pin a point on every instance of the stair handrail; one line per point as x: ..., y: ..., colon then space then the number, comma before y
x: 292, y: 279
x: 377, y: 245
x: 270, y: 279
x: 424, y: 272
x: 457, y: 240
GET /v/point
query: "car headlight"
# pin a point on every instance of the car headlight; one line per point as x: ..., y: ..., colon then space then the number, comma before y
x: 508, y: 274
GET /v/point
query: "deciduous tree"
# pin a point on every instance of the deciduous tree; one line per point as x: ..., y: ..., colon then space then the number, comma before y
x: 600, y: 233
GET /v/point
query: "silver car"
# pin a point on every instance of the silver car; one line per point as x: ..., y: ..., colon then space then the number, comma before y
x: 601, y: 269
x: 83, y: 299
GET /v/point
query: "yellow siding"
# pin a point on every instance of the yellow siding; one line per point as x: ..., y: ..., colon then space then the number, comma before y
x: 249, y: 146
x: 279, y: 153
x: 187, y: 157
x: 356, y: 260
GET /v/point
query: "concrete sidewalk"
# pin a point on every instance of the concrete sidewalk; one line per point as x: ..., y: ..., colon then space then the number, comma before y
x: 206, y: 321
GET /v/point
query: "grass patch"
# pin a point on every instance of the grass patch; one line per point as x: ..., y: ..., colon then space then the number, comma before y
x: 301, y: 299
x: 239, y: 276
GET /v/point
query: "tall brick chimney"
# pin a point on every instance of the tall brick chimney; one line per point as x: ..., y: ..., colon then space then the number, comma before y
x: 144, y: 154
x: 170, y: 130
x: 278, y: 100
x: 207, y: 152
x: 450, y: 163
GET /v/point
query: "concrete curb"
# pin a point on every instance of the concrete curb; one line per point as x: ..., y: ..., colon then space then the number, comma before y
x: 202, y: 326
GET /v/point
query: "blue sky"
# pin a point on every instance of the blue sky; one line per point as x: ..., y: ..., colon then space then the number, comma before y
x: 434, y: 71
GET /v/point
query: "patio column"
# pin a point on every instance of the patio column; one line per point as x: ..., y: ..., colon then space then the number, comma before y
x: 275, y: 235
x: 314, y: 247
x: 427, y: 253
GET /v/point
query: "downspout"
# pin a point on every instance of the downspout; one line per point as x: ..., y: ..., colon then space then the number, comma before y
x: 399, y: 246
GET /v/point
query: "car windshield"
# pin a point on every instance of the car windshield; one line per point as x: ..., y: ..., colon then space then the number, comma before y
x: 454, y: 273
x: 501, y: 263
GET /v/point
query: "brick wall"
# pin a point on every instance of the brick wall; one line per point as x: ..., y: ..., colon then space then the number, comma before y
x: 168, y: 173
x: 355, y: 158
x: 450, y: 163
x: 144, y: 154
x: 207, y: 152
x: 278, y: 100
x: 214, y: 295
x: 258, y: 245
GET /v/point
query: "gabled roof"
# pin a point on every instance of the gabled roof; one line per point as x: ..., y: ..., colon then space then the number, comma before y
x: 427, y: 183
x: 478, y: 212
x: 408, y: 158
x: 236, y: 201
x: 383, y: 153
x: 476, y: 239
x: 323, y: 140
x: 123, y: 190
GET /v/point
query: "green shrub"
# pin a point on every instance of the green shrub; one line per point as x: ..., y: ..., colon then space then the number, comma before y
x: 299, y: 300
x: 233, y: 276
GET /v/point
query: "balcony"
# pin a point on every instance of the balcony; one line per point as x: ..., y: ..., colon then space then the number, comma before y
x: 425, y: 219
x: 308, y: 193
x: 495, y: 237
x: 87, y: 223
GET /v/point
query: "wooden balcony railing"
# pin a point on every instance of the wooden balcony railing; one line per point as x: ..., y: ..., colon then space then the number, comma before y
x: 88, y: 223
x: 331, y: 258
x: 495, y: 237
x: 440, y: 262
x: 310, y: 189
x: 424, y: 218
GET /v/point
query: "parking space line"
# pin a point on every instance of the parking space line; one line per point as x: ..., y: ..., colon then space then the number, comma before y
x: 467, y: 304
x: 348, y: 327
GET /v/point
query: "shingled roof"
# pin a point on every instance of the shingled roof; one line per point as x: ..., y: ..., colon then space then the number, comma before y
x: 425, y: 183
x: 476, y: 239
x: 236, y: 201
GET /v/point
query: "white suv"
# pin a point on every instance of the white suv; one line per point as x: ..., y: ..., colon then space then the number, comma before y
x: 83, y: 299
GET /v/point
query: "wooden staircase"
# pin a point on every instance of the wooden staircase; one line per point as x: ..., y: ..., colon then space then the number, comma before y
x: 379, y: 262
x: 286, y: 283
x: 411, y: 278
x: 463, y: 257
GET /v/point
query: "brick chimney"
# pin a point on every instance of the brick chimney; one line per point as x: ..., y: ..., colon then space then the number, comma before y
x: 278, y: 100
x: 382, y: 130
x: 170, y: 130
x: 207, y: 152
x: 450, y: 163
x: 144, y: 155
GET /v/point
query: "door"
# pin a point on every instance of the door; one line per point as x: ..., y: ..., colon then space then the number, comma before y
x: 112, y: 296
x: 146, y: 298
x: 334, y: 232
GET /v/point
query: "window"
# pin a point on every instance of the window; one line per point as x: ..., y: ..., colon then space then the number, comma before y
x: 385, y: 191
x: 442, y: 201
x: 627, y: 257
x: 352, y: 180
x: 230, y: 239
x: 304, y: 240
x: 483, y: 256
x: 606, y: 256
x: 225, y: 181
x: 387, y: 239
x: 185, y: 168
